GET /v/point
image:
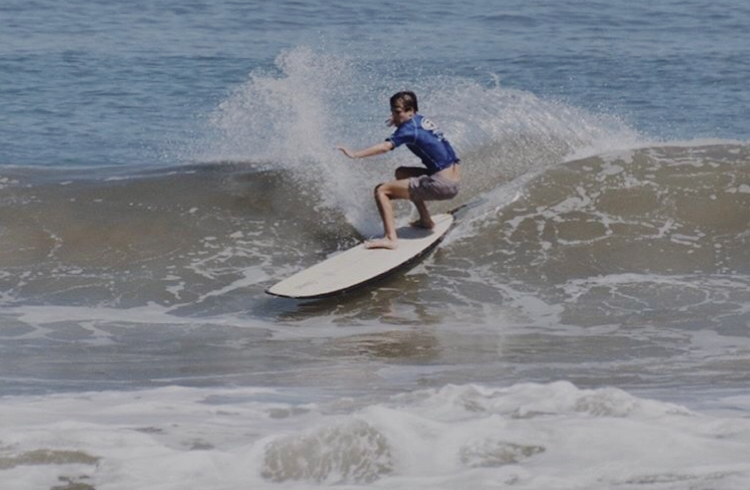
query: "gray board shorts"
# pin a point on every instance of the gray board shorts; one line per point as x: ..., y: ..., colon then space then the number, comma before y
x: 432, y: 188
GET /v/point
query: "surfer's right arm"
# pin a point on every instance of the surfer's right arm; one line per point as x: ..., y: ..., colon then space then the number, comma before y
x: 378, y: 149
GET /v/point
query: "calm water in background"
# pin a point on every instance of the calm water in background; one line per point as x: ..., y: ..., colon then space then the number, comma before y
x: 584, y: 326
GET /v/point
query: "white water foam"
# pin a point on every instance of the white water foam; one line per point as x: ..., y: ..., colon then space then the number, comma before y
x: 528, y: 436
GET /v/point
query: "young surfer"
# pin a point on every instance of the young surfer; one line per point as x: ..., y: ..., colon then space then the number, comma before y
x: 437, y: 181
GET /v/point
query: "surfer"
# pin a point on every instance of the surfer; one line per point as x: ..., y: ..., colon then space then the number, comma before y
x: 436, y: 182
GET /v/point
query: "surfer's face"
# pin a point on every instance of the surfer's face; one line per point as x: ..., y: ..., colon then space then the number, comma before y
x: 399, y: 115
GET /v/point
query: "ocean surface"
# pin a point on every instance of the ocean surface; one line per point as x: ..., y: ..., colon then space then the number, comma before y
x: 585, y: 326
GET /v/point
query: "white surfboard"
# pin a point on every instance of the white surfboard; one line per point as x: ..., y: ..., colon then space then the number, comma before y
x: 359, y: 266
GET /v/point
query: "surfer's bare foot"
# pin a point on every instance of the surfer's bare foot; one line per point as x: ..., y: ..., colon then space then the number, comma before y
x: 420, y: 223
x: 382, y: 243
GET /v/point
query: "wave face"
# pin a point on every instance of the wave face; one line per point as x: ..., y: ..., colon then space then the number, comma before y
x: 654, y: 214
x: 266, y: 192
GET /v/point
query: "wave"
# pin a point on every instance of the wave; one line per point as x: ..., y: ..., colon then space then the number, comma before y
x: 176, y: 235
x: 558, y: 195
x: 164, y: 237
x: 453, y: 437
x: 666, y: 210
x: 652, y: 236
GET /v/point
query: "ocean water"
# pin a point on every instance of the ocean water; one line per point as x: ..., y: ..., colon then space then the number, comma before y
x: 586, y: 324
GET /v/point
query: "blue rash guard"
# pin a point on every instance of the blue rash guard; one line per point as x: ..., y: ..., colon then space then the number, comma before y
x: 426, y: 141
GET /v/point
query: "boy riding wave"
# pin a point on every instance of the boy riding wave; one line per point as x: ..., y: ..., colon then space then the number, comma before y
x: 436, y: 182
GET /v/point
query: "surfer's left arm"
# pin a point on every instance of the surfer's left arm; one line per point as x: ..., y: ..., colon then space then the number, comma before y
x: 377, y: 149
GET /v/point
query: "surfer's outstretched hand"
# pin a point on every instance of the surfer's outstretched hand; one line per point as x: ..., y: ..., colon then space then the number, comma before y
x: 346, y: 151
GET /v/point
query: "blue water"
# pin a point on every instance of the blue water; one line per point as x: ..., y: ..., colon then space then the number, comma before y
x: 122, y: 83
x: 584, y: 326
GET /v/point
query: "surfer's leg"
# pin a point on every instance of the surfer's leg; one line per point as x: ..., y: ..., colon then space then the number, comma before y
x: 430, y: 188
x: 384, y: 193
x: 416, y: 195
x: 425, y: 220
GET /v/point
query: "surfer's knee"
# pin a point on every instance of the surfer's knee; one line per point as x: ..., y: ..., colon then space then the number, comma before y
x: 383, y: 192
x: 379, y: 191
x: 397, y: 189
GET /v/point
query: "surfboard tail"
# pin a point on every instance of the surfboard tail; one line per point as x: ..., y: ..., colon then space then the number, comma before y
x: 460, y: 211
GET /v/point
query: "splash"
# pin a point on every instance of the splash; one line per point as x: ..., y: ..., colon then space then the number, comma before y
x: 281, y: 117
x: 290, y: 119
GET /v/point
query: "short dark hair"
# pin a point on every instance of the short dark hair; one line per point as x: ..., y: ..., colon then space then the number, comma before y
x: 407, y: 99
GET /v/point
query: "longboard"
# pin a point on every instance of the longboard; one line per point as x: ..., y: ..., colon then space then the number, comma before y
x: 360, y: 266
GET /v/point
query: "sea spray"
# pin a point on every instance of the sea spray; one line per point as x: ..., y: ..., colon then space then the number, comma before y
x: 291, y: 118
x: 286, y: 120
